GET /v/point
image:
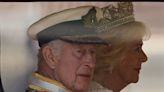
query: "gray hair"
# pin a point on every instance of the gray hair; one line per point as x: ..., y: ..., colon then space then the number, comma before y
x: 56, y: 47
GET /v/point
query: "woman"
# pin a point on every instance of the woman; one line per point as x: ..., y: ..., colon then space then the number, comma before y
x: 119, y: 65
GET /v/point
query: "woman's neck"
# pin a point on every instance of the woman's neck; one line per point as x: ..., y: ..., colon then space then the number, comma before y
x: 116, y: 83
x: 112, y: 81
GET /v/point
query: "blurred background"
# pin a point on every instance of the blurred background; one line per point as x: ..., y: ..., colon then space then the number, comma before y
x: 18, y: 53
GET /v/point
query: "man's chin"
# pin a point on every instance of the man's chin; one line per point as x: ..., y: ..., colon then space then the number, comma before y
x: 82, y: 83
x: 81, y: 87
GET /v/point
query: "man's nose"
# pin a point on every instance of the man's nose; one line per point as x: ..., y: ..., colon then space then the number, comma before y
x: 90, y: 60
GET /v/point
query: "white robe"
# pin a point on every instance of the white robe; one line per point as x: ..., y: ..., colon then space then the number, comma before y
x: 41, y: 83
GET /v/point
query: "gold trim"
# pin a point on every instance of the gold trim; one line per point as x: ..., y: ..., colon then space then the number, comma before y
x: 38, y: 76
x: 38, y: 88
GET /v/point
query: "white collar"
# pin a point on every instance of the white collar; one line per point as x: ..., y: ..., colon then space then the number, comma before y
x: 38, y: 81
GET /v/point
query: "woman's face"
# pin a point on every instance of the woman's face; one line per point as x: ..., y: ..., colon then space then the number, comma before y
x: 129, y: 68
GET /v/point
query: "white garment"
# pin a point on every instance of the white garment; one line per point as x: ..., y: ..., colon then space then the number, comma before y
x: 96, y: 87
x: 38, y: 81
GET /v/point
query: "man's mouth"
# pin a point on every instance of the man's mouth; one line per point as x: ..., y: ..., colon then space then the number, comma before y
x: 85, y: 75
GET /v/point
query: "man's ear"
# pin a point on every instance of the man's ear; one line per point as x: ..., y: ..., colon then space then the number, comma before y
x: 48, y: 57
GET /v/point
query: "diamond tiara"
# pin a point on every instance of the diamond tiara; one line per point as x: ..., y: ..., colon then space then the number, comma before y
x: 110, y: 16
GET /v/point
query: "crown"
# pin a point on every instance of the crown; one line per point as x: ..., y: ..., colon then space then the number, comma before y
x: 110, y: 16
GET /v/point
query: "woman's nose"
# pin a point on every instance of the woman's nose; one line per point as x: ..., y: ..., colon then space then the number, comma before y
x: 143, y: 57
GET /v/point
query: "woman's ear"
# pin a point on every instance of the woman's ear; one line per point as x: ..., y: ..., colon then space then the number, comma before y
x: 48, y: 56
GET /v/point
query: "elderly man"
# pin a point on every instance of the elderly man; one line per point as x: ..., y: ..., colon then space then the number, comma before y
x: 66, y: 58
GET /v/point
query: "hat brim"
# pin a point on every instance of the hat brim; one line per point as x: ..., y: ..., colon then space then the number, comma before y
x: 84, y: 40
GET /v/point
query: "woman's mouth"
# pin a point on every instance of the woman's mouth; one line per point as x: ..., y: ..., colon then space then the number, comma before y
x: 137, y: 69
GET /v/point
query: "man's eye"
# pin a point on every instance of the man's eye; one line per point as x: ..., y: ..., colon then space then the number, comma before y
x: 92, y: 51
x: 79, y: 51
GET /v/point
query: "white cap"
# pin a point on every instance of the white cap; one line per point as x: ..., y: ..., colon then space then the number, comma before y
x: 56, y: 18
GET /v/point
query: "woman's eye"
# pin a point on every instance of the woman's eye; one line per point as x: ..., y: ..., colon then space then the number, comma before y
x: 137, y: 49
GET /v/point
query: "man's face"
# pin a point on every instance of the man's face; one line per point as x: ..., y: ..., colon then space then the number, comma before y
x: 76, y: 65
x: 129, y: 68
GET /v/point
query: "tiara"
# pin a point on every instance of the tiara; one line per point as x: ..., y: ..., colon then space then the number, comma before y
x: 110, y: 16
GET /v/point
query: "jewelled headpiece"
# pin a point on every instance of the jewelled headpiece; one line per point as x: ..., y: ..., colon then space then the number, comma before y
x: 111, y: 16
